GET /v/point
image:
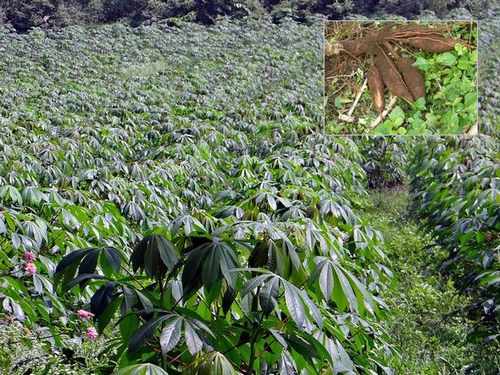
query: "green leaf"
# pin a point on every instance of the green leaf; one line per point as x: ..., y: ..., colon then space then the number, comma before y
x: 170, y: 335
x: 384, y: 128
x: 142, y: 369
x: 211, y: 267
x: 89, y: 262
x: 294, y: 305
x: 101, y: 299
x: 268, y: 296
x: 254, y: 283
x: 422, y: 63
x: 80, y: 279
x: 128, y: 325
x: 145, y: 332
x: 113, y: 258
x: 146, y: 302
x: 339, y: 101
x: 397, y: 114
x: 346, y: 288
x: 326, y: 281
x: 420, y: 104
x: 446, y: 58
x: 69, y: 263
x: 301, y: 346
x: 3, y: 227
x: 191, y: 274
x: 168, y: 253
x: 108, y: 314
x: 193, y: 341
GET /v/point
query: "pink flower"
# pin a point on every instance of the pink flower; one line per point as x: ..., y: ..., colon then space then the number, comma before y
x: 83, y: 314
x: 91, y: 334
x: 30, y: 268
x: 29, y: 256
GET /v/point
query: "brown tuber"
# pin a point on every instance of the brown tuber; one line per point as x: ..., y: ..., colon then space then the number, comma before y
x: 390, y: 70
x: 355, y: 47
x: 433, y: 44
x: 376, y: 86
x: 391, y: 76
x: 413, y: 77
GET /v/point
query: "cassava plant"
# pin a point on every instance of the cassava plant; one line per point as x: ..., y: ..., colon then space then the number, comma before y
x: 262, y: 282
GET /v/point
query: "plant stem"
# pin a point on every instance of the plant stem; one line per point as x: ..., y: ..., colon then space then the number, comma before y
x: 252, y: 352
x: 162, y: 294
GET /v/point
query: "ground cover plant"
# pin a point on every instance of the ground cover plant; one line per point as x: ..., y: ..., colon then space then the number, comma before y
x: 430, y: 67
x: 429, y: 320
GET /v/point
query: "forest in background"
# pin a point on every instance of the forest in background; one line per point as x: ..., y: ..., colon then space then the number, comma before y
x: 23, y: 15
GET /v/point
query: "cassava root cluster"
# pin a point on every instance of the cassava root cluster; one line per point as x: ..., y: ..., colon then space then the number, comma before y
x: 390, y: 70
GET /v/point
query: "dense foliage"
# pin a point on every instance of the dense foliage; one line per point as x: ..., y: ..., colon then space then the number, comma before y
x: 384, y: 161
x: 167, y: 209
x: 186, y: 205
x: 455, y: 191
x: 429, y: 321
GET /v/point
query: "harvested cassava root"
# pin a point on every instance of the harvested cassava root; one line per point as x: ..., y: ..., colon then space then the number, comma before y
x: 413, y: 77
x: 366, y: 44
x: 434, y: 44
x: 390, y: 70
x: 376, y: 86
x: 391, y: 75
x: 355, y: 47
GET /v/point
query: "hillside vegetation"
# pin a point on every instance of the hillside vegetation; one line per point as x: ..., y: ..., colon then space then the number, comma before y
x: 170, y: 202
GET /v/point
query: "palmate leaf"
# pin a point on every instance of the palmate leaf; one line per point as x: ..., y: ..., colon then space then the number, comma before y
x: 295, y: 305
x: 211, y: 268
x: 297, y: 301
x: 193, y: 341
x: 213, y: 362
x: 347, y: 291
x: 191, y: 274
x: 170, y: 335
x: 80, y: 279
x: 85, y: 262
x: 145, y: 332
x: 101, y: 299
x: 254, y: 283
x: 286, y: 365
x: 268, y: 296
x: 145, y: 301
x: 3, y: 227
x: 326, y: 281
x: 337, y: 283
x: 68, y: 261
x: 142, y: 369
x: 155, y: 254
x: 108, y: 313
x: 194, y: 331
x: 213, y: 258
x: 338, y: 354
x: 89, y: 262
x: 113, y: 258
x: 308, y: 347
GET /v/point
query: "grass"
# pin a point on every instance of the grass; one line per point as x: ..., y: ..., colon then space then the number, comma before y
x: 428, y: 320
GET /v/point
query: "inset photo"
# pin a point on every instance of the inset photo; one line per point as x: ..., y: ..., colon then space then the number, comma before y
x: 401, y: 78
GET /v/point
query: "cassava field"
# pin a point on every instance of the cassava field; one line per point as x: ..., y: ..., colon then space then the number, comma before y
x: 172, y: 203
